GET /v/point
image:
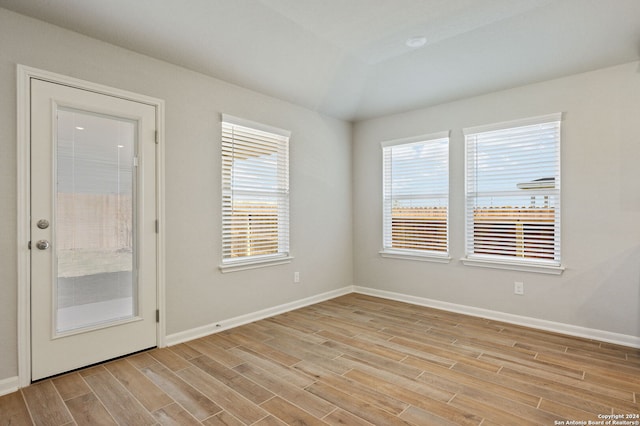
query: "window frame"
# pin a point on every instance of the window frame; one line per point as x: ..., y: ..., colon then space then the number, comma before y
x: 283, y: 255
x: 414, y: 254
x: 555, y: 266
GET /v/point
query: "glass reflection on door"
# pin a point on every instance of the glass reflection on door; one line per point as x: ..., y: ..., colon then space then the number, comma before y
x: 95, y: 220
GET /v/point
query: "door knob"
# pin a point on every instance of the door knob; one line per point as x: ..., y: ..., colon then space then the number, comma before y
x: 43, y: 244
x: 43, y: 224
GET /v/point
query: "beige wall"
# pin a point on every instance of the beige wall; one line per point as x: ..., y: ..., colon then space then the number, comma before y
x: 600, y: 288
x: 197, y: 293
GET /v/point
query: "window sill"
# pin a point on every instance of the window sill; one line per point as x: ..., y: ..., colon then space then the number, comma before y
x: 411, y: 255
x: 254, y: 264
x: 514, y: 266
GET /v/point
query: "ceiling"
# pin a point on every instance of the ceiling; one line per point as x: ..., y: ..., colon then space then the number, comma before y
x: 348, y: 58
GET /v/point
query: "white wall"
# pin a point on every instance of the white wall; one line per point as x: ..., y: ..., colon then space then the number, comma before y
x: 197, y: 293
x: 600, y: 288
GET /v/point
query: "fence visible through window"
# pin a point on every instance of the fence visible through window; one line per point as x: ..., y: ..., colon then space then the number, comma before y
x: 526, y: 232
x: 254, y: 230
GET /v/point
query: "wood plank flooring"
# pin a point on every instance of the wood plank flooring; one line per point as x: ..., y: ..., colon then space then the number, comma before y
x: 354, y: 360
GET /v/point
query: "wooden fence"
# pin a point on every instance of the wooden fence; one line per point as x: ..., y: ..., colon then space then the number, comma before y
x: 94, y: 234
x: 520, y: 232
x: 526, y: 232
x: 94, y: 221
x: 104, y: 222
x: 254, y: 230
x: 419, y: 228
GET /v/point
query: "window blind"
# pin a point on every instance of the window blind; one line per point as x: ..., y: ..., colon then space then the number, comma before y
x: 513, y: 191
x: 416, y: 195
x: 255, y: 192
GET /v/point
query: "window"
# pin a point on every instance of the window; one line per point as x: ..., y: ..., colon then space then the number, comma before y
x: 513, y: 195
x: 255, y: 194
x: 416, y: 198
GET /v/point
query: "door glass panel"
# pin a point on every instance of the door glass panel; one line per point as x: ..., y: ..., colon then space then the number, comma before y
x: 94, y: 228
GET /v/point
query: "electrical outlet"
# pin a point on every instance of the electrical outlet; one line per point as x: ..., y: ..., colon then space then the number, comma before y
x: 518, y: 288
x: 296, y: 277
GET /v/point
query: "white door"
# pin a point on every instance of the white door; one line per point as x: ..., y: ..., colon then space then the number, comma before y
x: 93, y: 227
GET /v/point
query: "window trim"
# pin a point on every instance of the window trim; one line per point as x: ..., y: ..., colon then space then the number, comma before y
x: 414, y: 255
x: 409, y: 254
x: 522, y: 122
x: 488, y: 261
x: 531, y: 266
x: 257, y: 261
x: 239, y: 121
x: 269, y: 260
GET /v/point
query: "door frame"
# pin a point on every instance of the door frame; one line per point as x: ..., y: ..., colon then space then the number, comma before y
x: 24, y: 76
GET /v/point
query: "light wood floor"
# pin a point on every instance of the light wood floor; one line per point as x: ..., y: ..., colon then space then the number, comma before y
x: 352, y: 360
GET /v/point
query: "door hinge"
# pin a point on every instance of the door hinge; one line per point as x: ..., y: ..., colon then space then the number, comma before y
x: 157, y: 226
x: 29, y: 245
x: 157, y: 315
x: 157, y: 138
x: 135, y: 161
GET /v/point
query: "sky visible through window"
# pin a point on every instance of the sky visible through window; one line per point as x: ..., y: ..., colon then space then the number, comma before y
x: 257, y: 173
x: 427, y: 186
x: 508, y: 167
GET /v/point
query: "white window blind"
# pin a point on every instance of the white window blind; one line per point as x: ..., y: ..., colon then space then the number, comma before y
x: 416, y: 195
x: 255, y: 191
x: 513, y: 191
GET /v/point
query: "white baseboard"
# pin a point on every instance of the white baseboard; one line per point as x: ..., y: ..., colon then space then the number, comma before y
x: 9, y: 385
x: 568, y: 329
x: 572, y: 330
x: 205, y: 330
